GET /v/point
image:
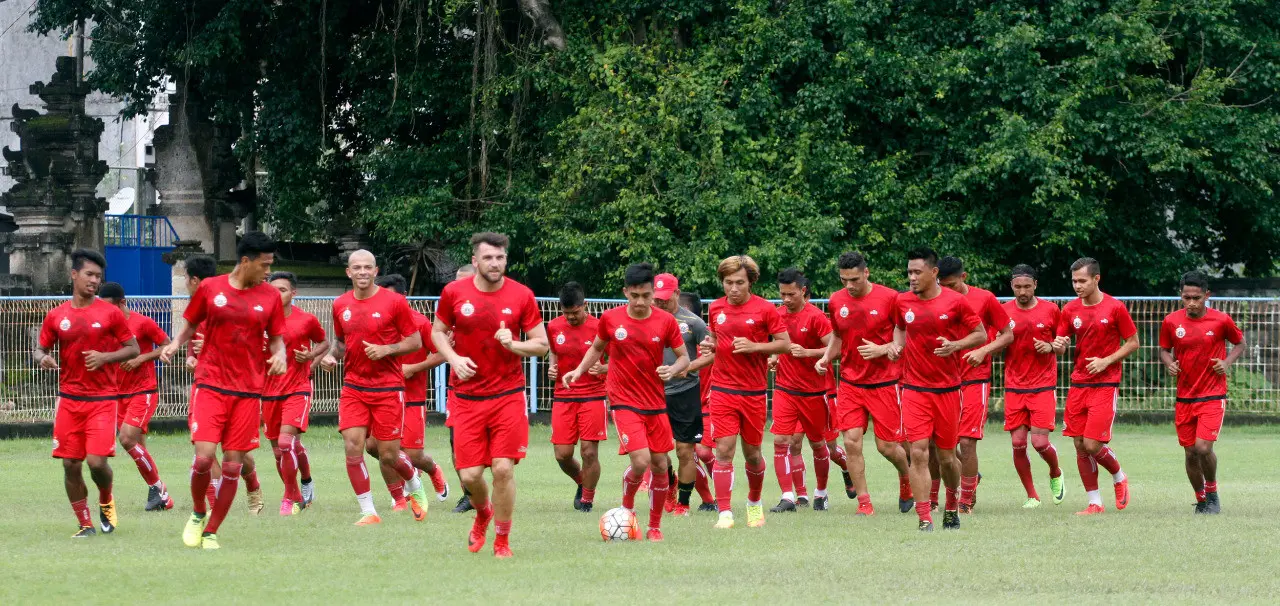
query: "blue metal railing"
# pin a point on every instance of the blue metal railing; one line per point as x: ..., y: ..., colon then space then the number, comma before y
x: 140, y: 231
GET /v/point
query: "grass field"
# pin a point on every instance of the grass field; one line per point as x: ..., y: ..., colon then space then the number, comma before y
x: 1155, y: 551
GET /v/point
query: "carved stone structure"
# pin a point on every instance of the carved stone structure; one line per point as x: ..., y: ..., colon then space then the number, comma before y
x: 57, y: 171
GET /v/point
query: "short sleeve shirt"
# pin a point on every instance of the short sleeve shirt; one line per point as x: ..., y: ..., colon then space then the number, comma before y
x: 99, y: 327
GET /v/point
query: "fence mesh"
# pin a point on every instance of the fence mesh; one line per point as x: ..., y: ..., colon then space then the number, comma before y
x: 27, y: 393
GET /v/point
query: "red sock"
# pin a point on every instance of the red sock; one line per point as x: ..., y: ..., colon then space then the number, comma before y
x: 404, y: 467
x: 81, y: 508
x: 1047, y: 452
x: 304, y: 463
x: 146, y: 465
x: 1022, y: 464
x: 1200, y: 496
x: 967, y: 486
x: 201, y: 484
x: 1088, y: 471
x: 838, y: 457
x: 904, y: 488
x: 722, y: 475
x: 211, y: 492
x: 226, y: 495
x: 1211, y: 487
x: 933, y: 490
x: 797, y: 475
x: 706, y: 455
x: 1106, y: 459
x: 782, y: 466
x: 864, y: 499
x: 502, y: 533
x: 822, y: 465
x: 358, y: 474
x: 755, y: 481
x: 922, y: 511
x: 397, y: 491
x: 657, y: 496
x: 702, y: 485
x: 289, y: 468
x: 251, y: 481
x: 588, y: 495
x: 630, y: 485
x: 953, y: 497
x: 104, y: 494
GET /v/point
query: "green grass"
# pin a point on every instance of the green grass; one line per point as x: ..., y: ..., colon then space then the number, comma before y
x: 1155, y: 551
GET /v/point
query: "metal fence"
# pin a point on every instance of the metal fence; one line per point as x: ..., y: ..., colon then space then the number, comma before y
x: 27, y: 393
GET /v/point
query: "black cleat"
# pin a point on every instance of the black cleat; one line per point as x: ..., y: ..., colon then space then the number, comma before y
x: 783, y: 505
x: 802, y: 501
x: 950, y: 520
x: 153, y: 499
x: 464, y: 505
x: 1211, y: 504
x: 1200, y: 508
x: 926, y: 526
x: 820, y: 503
x: 906, y: 505
x: 577, y: 498
x: 85, y: 533
x: 584, y: 507
x: 711, y: 507
x: 104, y: 517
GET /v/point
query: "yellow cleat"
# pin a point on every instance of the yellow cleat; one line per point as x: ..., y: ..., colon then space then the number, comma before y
x: 368, y: 519
x: 195, y: 527
x: 209, y: 541
x: 256, y: 504
x: 1031, y: 504
x: 108, y: 516
x: 725, y: 521
x: 755, y: 516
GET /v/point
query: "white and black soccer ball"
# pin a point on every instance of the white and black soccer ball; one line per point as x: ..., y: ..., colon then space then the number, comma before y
x: 619, y: 524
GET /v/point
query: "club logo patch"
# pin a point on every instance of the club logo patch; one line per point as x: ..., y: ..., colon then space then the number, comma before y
x: 55, y: 443
x: 65, y: 324
x: 910, y: 317
x: 1011, y: 324
x: 1077, y: 323
x: 620, y: 334
x: 844, y: 311
x: 560, y: 339
x: 346, y: 315
x: 659, y: 284
x: 1181, y: 332
x: 220, y: 300
x: 684, y: 328
x: 720, y: 318
x: 467, y: 309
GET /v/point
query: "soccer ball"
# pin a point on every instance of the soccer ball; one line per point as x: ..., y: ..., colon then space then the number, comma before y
x: 619, y: 524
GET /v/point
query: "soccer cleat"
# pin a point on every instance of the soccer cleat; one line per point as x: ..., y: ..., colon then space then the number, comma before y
x: 906, y: 505
x: 670, y: 505
x: 966, y: 508
x: 419, y: 508
x: 865, y: 509
x: 1122, y: 494
x: 107, y: 516
x: 464, y: 505
x: 85, y: 532
x: 501, y: 551
x: 400, y: 504
x: 156, y: 499
x: 1092, y: 510
x: 1031, y: 503
x: 308, y: 493
x: 950, y: 520
x: 802, y: 500
x: 711, y: 507
x: 755, y: 516
x: 725, y: 521
x: 195, y: 526
x: 1212, y: 505
x: 439, y: 484
x: 289, y: 508
x: 368, y: 519
x: 680, y: 511
x: 1200, y: 508
x: 585, y: 507
x: 654, y: 535
x: 783, y: 505
x: 1058, y: 488
x: 926, y: 526
x: 577, y: 498
x: 256, y: 504
x: 820, y: 503
x: 209, y: 540
x: 476, y: 538
x: 848, y: 486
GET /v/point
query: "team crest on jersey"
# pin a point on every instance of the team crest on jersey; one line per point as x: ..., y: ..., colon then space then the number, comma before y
x: 684, y: 327
x: 220, y: 300
x: 620, y: 334
x: 844, y: 311
x: 346, y: 315
x: 1181, y: 332
x: 65, y: 324
x: 560, y: 339
x: 467, y: 309
x: 1011, y: 324
x: 720, y: 319
x: 55, y: 443
x: 910, y: 317
x: 1077, y: 323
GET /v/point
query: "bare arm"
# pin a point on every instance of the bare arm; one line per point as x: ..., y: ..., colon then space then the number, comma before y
x: 407, y: 345
x: 534, y: 345
x: 680, y: 366
x: 93, y: 360
x: 1003, y: 339
x: 970, y: 341
x: 780, y: 344
x: 1170, y: 363
x: 432, y: 361
x: 1237, y: 350
x: 188, y: 331
x: 592, y: 356
x: 1097, y: 365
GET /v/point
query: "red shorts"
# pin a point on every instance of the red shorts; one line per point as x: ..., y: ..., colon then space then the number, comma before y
x: 794, y: 412
x: 1090, y: 412
x: 1199, y: 420
x: 737, y: 414
x: 973, y: 412
x: 496, y: 427
x: 831, y: 434
x: 381, y: 412
x: 639, y: 431
x: 927, y: 415
x: 579, y: 419
x: 880, y: 403
x: 413, y: 430
x: 1034, y: 409
x: 293, y: 409
x: 137, y: 410
x: 224, y: 418
x: 84, y: 427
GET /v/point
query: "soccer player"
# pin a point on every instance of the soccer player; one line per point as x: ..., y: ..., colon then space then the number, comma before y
x: 1030, y: 377
x: 862, y: 319
x: 466, y: 272
x: 139, y: 395
x: 975, y: 382
x: 684, y: 397
x: 415, y: 366
x: 742, y: 326
x: 1105, y: 336
x: 932, y: 325
x: 1193, y: 347
x: 92, y: 336
x: 286, y: 398
x: 372, y: 328
x: 489, y: 411
x: 799, y: 395
x: 636, y: 337
x: 235, y: 311
x: 578, y: 413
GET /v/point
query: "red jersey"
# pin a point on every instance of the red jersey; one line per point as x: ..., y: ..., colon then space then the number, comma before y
x: 1098, y: 330
x: 234, y: 322
x: 143, y: 378
x: 415, y: 387
x: 1024, y: 367
x: 869, y: 317
x: 946, y: 315
x: 570, y: 344
x: 994, y: 319
x: 382, y: 319
x: 635, y: 349
x: 1196, y: 342
x: 301, y: 329
x: 474, y: 317
x: 756, y: 320
x: 806, y: 328
x: 99, y: 327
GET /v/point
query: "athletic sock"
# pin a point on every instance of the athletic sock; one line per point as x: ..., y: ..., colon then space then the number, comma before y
x: 365, y: 499
x: 657, y: 497
x: 702, y: 484
x: 358, y: 474
x: 1047, y: 452
x: 1022, y: 463
x: 1210, y: 487
x: 211, y: 493
x: 404, y: 467
x: 146, y: 464
x: 289, y: 468
x: 588, y: 495
x: 201, y: 484
x: 251, y: 481
x: 904, y: 488
x: 722, y: 474
x: 104, y: 493
x: 838, y: 457
x: 1200, y: 496
x: 684, y: 491
x: 822, y: 467
x: 226, y: 495
x: 1106, y: 459
x: 782, y: 466
x: 397, y: 491
x: 755, y: 481
x: 864, y: 500
x: 81, y: 509
x: 502, y: 532
x: 1088, y: 471
x: 1095, y: 497
x: 953, y: 498
x: 304, y: 462
x: 630, y: 485
x: 934, y: 486
x: 797, y: 475
x: 922, y: 511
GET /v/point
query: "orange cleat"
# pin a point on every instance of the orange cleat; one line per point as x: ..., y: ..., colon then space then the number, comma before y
x: 1092, y: 510
x: 475, y: 540
x: 368, y: 519
x: 401, y: 504
x: 501, y: 551
x: 419, y: 511
x: 654, y: 535
x: 1122, y: 493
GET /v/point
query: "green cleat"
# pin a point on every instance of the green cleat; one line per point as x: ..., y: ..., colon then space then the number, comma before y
x: 209, y: 540
x: 195, y: 526
x: 1058, y: 488
x: 1031, y: 504
x: 418, y: 502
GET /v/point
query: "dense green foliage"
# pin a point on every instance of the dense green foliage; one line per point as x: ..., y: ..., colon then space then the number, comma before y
x: 1141, y: 132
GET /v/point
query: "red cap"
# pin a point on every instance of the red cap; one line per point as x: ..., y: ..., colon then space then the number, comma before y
x: 665, y: 285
